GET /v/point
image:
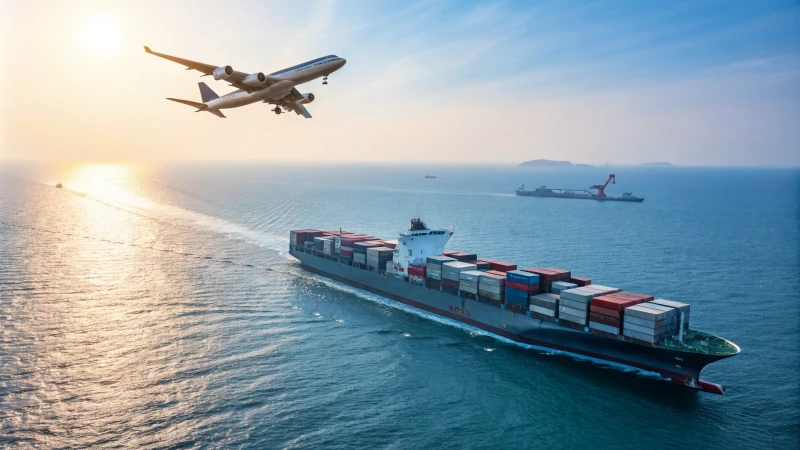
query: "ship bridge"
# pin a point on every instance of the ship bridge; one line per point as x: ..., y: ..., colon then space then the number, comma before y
x: 415, y: 245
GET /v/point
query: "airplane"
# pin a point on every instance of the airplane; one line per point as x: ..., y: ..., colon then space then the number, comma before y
x: 277, y: 88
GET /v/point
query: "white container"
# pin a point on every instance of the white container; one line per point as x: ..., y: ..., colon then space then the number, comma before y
x: 491, y: 288
x: 572, y: 312
x: 644, y: 330
x: 604, y: 327
x: 641, y: 336
x: 558, y: 286
x: 644, y: 322
x: 486, y: 279
x: 573, y: 304
x: 644, y: 312
x: 471, y: 275
x: 571, y: 318
x: 543, y: 311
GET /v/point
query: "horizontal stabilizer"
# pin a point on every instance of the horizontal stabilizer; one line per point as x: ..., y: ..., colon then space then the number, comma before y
x: 197, y: 105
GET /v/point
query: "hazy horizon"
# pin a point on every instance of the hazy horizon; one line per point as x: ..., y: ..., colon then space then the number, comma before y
x: 705, y: 84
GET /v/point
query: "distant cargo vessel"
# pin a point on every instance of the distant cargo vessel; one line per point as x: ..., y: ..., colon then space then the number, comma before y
x: 547, y: 308
x: 430, y: 176
x: 543, y: 191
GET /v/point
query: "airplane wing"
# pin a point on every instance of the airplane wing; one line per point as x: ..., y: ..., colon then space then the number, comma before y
x: 208, y: 69
x: 298, y: 108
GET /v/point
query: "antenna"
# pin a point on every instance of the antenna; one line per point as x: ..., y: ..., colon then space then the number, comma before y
x: 418, y: 210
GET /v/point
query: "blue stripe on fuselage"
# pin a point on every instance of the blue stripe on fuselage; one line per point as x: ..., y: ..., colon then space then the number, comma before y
x: 304, y: 64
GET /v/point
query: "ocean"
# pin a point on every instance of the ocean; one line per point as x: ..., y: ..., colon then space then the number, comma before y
x: 158, y: 307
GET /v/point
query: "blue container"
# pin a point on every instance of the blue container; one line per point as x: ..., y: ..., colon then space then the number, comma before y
x: 518, y: 276
x: 516, y: 296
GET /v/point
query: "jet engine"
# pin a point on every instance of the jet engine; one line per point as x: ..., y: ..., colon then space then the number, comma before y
x: 223, y: 73
x: 255, y: 79
x: 307, y: 98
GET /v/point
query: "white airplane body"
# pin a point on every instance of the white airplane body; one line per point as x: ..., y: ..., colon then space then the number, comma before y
x: 277, y: 88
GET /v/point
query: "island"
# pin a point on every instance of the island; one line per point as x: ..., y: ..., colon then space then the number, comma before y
x: 546, y: 163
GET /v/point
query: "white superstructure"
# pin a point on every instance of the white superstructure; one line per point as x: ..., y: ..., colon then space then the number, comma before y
x: 416, y: 244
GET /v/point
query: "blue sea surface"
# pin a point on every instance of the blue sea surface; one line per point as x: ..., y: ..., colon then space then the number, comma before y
x: 158, y: 307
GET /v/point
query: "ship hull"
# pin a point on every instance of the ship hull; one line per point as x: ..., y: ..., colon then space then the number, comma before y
x: 678, y: 366
x: 582, y: 197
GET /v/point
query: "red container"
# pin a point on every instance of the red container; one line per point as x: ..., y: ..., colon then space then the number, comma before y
x: 501, y: 266
x: 605, y: 320
x: 568, y: 324
x: 580, y: 281
x: 605, y: 312
x: 346, y: 252
x: 416, y: 270
x: 529, y: 288
x: 560, y: 274
x: 613, y: 303
x: 544, y: 274
x: 448, y: 252
x: 464, y: 257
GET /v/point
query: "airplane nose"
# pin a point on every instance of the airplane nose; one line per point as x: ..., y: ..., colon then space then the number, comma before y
x: 343, y: 61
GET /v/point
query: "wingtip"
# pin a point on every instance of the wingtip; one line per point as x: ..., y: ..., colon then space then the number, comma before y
x: 147, y: 49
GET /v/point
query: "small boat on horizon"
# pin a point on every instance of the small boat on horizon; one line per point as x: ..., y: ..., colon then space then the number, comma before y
x: 430, y: 176
x: 58, y: 185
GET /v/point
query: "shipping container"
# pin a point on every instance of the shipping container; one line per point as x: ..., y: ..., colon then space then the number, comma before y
x: 519, y: 276
x: 360, y: 258
x: 574, y: 304
x: 580, y: 281
x: 605, y: 320
x: 558, y: 286
x: 452, y: 270
x: 569, y: 324
x: 468, y: 286
x: 516, y: 296
x: 566, y: 317
x: 603, y: 327
x: 644, y: 322
x: 418, y: 271
x: 603, y: 333
x: 548, y: 301
x: 439, y: 260
x: 464, y: 257
x: 502, y: 266
x: 483, y: 266
x: 496, y: 273
x: 490, y: 295
x: 450, y: 283
x: 471, y: 275
x: 431, y: 275
x: 605, y: 312
x: 529, y: 288
x: 645, y: 313
x: 487, y: 278
x: 545, y: 311
x: 491, y: 288
x: 570, y: 311
x: 642, y: 336
x: 543, y: 317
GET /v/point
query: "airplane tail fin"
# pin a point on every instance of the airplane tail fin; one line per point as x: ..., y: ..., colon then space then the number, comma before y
x: 206, y: 93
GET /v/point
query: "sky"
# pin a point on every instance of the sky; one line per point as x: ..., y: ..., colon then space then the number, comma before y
x: 628, y: 82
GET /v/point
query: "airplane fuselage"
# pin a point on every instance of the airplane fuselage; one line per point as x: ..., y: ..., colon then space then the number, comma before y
x: 290, y: 77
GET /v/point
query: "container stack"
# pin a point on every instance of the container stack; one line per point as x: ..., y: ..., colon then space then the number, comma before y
x: 573, y: 308
x: 681, y: 307
x: 377, y: 257
x: 392, y: 243
x: 544, y: 307
x: 491, y: 288
x: 299, y: 237
x: 319, y: 242
x: 557, y: 286
x: 360, y: 251
x: 451, y: 275
x: 519, y: 287
x: 469, y: 282
x: 433, y: 270
x: 548, y: 276
x: 643, y: 325
x: 606, y: 312
x: 580, y: 281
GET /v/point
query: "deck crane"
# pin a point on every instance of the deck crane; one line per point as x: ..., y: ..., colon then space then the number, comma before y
x: 601, y: 190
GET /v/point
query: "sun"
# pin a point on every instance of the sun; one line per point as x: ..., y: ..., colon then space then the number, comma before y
x: 100, y: 35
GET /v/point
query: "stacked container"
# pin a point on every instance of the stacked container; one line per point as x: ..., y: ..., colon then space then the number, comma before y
x: 519, y: 287
x: 433, y: 270
x: 580, y: 281
x: 643, y: 325
x: 360, y: 251
x: 469, y: 282
x: 671, y: 322
x: 319, y: 242
x: 464, y: 257
x: 377, y: 257
x: 482, y: 265
x: 557, y: 286
x: 607, y: 311
x: 501, y: 266
x: 544, y: 307
x: 548, y: 276
x: 574, y: 303
x: 451, y: 274
x: 491, y: 288
x: 681, y: 307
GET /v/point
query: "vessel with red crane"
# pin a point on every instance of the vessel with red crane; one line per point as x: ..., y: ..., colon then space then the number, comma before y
x: 544, y: 191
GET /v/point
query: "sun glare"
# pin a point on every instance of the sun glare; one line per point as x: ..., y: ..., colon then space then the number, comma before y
x: 100, y: 35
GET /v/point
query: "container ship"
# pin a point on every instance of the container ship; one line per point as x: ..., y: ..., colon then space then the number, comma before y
x: 544, y: 191
x: 547, y: 308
